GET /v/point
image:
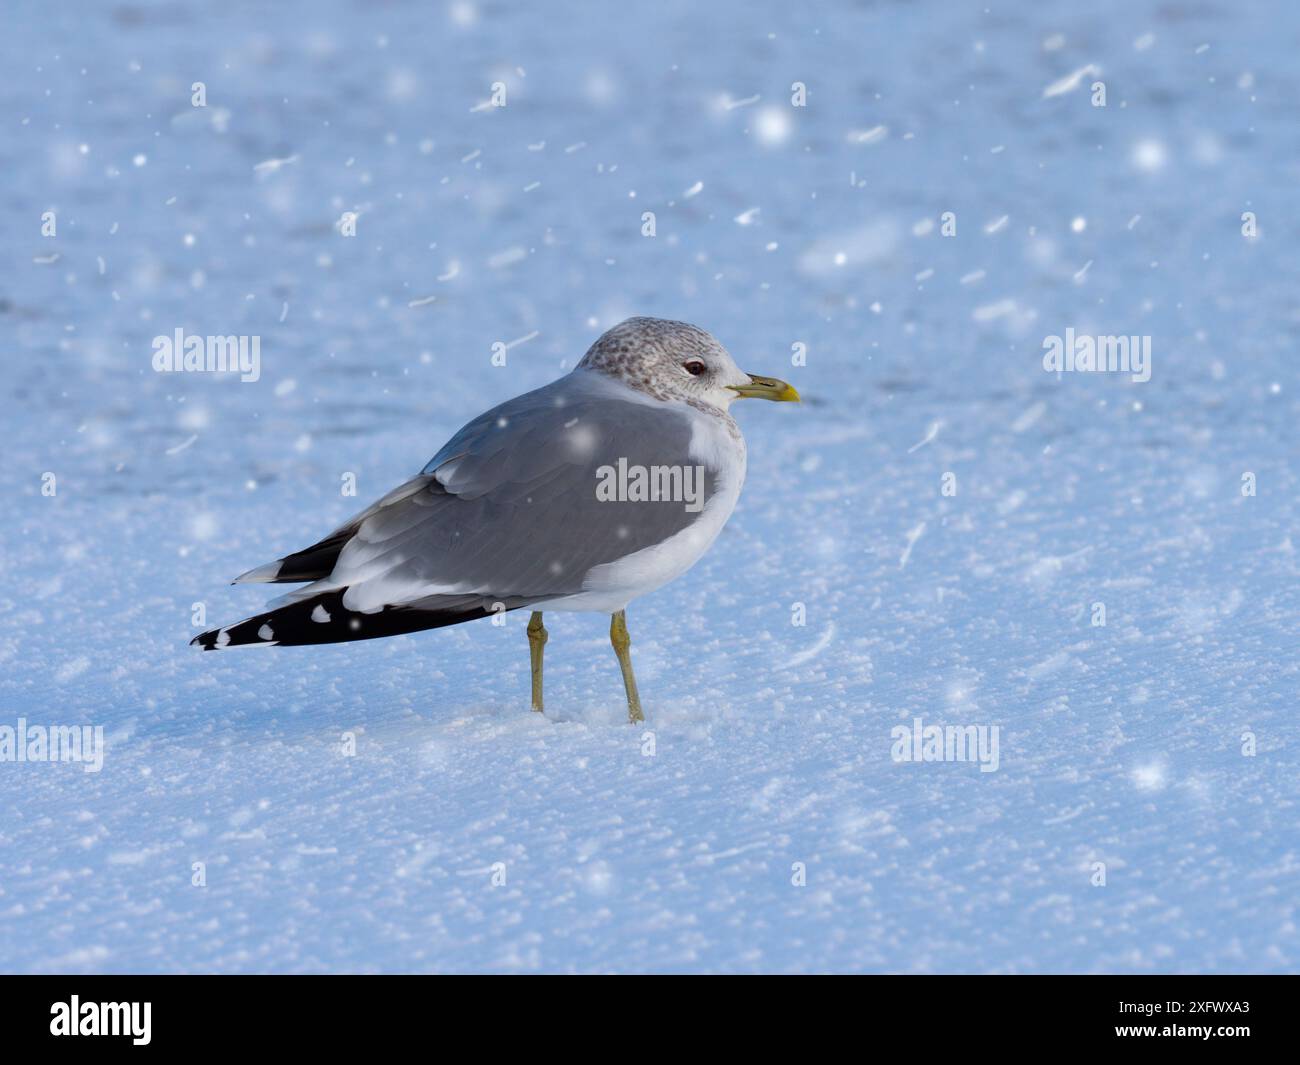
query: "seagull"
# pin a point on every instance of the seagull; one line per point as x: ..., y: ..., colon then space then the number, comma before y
x: 582, y: 495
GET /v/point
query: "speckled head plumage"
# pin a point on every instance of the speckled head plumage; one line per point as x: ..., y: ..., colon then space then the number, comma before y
x: 667, y: 360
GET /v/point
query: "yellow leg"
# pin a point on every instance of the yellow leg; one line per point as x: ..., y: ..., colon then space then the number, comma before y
x: 622, y: 641
x: 536, y: 641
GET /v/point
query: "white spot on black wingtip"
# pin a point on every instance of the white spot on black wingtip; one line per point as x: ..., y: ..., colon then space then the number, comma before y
x: 266, y: 633
x: 223, y: 638
x: 320, y: 614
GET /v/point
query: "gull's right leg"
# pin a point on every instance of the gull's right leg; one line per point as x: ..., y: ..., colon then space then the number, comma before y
x: 536, y: 641
x: 619, y: 637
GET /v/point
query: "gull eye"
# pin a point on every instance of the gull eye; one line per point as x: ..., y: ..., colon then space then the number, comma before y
x: 694, y: 367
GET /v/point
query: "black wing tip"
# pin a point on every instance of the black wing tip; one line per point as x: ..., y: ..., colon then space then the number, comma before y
x: 324, y: 619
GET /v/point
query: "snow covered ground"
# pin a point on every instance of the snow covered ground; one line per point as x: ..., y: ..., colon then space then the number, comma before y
x: 770, y: 829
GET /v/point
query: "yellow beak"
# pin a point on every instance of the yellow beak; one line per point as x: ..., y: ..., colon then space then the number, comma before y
x: 766, y: 388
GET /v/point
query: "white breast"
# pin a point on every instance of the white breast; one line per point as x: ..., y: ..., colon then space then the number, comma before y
x: 610, y: 587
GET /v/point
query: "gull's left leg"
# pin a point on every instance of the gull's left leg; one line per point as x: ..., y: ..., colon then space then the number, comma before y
x: 622, y: 641
x: 536, y: 641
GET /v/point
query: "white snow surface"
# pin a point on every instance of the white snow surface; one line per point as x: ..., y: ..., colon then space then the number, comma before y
x: 468, y: 834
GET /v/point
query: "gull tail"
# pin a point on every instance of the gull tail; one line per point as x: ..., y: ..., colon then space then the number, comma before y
x: 323, y: 618
x: 317, y: 562
x: 312, y: 564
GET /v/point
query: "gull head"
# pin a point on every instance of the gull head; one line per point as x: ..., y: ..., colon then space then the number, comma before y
x: 676, y: 361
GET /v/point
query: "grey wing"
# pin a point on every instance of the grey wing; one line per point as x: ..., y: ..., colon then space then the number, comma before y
x: 517, y: 505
